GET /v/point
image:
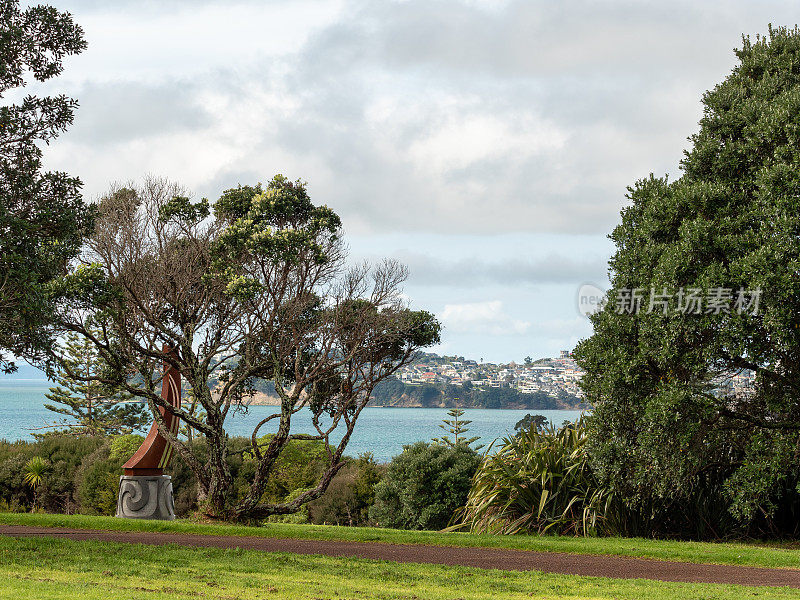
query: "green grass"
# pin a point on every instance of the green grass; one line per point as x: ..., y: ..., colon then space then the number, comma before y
x: 699, y: 552
x: 34, y: 568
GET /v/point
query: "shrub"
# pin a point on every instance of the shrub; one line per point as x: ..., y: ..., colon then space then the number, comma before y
x: 349, y: 495
x: 63, y: 452
x: 300, y: 517
x: 97, y: 482
x: 423, y: 486
x: 297, y: 468
x: 123, y: 446
x: 539, y: 481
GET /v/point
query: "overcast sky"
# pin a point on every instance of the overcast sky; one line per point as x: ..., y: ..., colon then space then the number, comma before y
x: 487, y: 144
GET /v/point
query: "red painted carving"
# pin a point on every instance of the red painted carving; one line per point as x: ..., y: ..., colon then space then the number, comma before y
x: 155, y: 452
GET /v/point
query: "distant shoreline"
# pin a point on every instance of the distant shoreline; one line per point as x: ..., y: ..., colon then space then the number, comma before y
x: 262, y: 399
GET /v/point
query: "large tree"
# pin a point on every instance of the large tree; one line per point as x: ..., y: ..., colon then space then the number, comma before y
x: 42, y: 217
x: 258, y: 289
x: 715, y: 258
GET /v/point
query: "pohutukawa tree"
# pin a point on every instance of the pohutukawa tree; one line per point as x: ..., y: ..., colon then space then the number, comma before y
x: 257, y: 288
x: 663, y: 432
x: 42, y: 217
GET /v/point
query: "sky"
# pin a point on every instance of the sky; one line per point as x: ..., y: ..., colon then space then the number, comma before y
x: 487, y: 144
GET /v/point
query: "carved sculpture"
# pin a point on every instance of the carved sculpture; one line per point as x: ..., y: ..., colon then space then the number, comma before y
x: 144, y: 491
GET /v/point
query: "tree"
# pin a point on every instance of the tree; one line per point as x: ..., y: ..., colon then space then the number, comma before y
x: 458, y: 428
x: 43, y: 219
x: 726, y: 232
x: 91, y: 408
x: 529, y: 422
x: 35, y: 470
x: 257, y: 289
x: 424, y: 485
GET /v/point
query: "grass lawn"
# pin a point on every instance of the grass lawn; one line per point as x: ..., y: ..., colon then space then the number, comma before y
x: 34, y: 568
x: 700, y: 552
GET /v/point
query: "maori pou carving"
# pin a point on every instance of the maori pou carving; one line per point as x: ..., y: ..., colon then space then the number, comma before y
x: 144, y: 491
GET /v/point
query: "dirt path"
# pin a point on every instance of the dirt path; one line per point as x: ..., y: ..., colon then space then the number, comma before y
x: 484, y: 558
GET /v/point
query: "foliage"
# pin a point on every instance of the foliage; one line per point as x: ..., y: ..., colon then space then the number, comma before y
x: 538, y: 481
x: 97, y: 482
x: 350, y: 494
x: 255, y: 287
x: 90, y: 407
x: 458, y: 427
x: 689, y: 458
x: 64, y: 454
x: 123, y: 446
x: 43, y: 219
x: 35, y: 470
x: 531, y: 422
x: 299, y: 466
x: 393, y: 391
x: 423, y: 486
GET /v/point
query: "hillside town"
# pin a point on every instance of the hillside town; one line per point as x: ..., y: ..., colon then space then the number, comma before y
x: 553, y: 376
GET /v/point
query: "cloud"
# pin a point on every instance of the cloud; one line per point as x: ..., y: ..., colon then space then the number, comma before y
x: 493, y: 122
x: 475, y: 271
x: 118, y: 112
x: 482, y: 318
x: 441, y: 116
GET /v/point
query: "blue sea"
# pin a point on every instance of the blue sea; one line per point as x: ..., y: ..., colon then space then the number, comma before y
x: 382, y: 431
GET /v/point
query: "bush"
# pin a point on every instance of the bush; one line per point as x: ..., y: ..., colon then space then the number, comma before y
x: 297, y: 468
x: 123, y: 446
x: 97, y: 477
x: 300, y: 517
x: 423, y: 486
x: 97, y: 482
x: 57, y: 492
x: 539, y: 481
x: 349, y: 495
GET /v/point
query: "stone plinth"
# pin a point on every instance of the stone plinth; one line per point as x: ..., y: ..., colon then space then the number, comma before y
x: 145, y: 497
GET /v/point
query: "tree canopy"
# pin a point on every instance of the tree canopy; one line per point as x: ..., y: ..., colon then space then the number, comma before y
x: 43, y: 219
x: 712, y: 262
x: 256, y: 287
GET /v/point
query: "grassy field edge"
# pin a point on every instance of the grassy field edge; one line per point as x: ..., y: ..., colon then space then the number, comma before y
x: 679, y: 551
x: 48, y: 568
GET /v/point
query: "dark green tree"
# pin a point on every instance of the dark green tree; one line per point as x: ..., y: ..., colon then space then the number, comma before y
x: 424, y: 486
x: 531, y: 423
x: 89, y: 406
x: 43, y: 219
x: 715, y: 257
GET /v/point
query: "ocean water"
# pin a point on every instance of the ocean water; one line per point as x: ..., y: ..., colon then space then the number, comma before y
x: 382, y: 431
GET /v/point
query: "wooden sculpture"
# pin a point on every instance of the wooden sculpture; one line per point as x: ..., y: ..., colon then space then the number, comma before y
x: 144, y: 491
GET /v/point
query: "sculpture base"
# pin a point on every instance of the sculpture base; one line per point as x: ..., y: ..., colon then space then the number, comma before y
x: 145, y: 497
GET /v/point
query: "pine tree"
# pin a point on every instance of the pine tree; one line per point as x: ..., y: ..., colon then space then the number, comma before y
x: 458, y: 428
x: 91, y: 407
